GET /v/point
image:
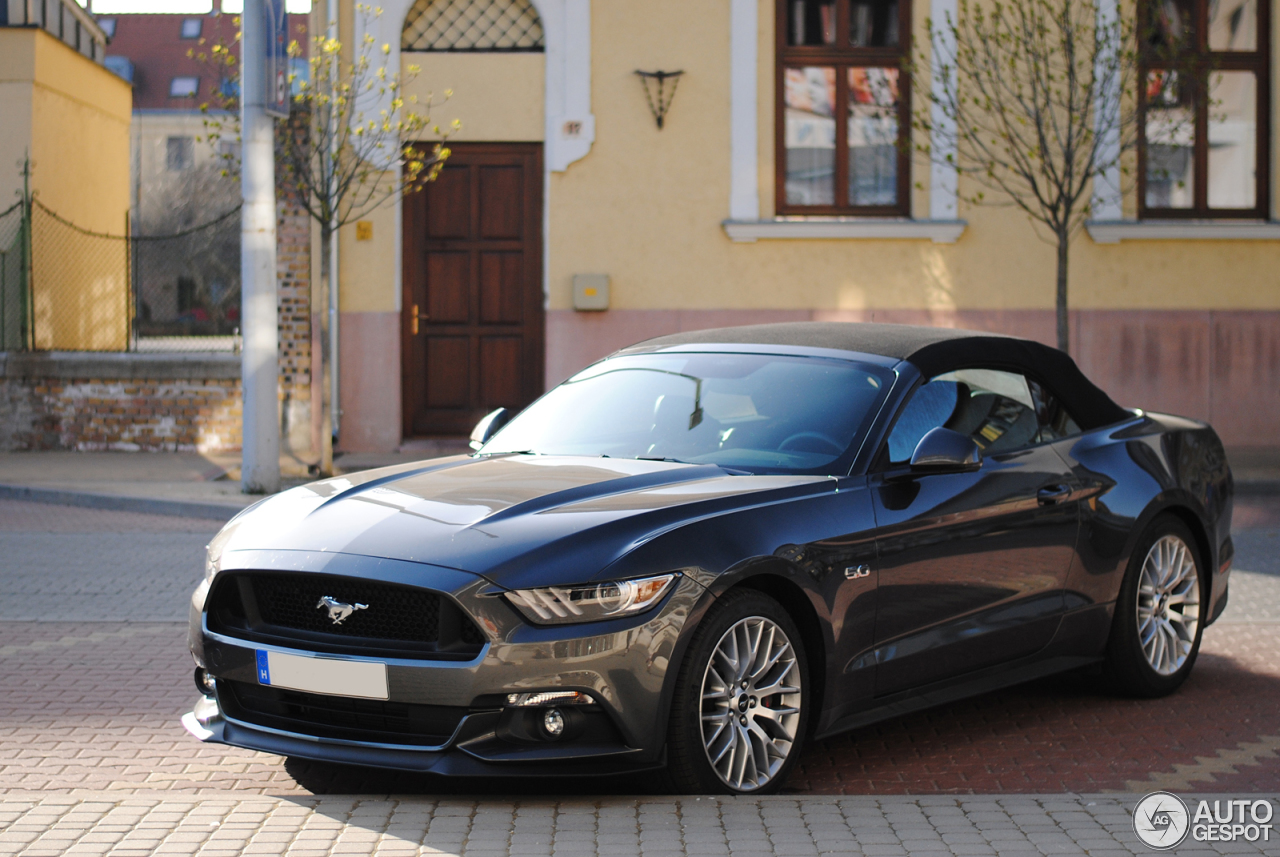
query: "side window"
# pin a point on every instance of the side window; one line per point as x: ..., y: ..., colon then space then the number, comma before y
x: 1055, y: 422
x: 997, y: 409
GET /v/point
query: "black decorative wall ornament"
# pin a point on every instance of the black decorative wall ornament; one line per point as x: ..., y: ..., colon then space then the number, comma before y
x: 656, y: 92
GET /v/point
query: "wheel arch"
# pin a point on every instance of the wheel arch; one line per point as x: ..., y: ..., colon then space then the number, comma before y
x: 801, y: 610
x: 772, y: 580
x: 1198, y: 531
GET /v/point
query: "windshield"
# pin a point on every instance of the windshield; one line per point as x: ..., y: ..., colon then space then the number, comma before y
x: 758, y: 412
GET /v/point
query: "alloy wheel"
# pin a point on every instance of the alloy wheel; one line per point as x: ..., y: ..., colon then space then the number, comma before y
x: 1168, y: 604
x: 751, y: 703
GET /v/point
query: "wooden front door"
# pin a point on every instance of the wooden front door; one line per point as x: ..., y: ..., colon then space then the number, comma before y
x: 472, y: 321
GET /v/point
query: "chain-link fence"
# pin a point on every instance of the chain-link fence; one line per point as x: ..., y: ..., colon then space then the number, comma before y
x: 186, y: 288
x: 65, y: 288
x: 79, y: 286
x: 14, y: 306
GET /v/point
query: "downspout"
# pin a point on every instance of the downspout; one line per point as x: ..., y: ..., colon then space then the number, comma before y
x: 335, y: 415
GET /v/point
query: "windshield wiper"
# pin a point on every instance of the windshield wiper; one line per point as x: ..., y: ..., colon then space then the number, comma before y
x: 511, y: 452
x: 657, y: 458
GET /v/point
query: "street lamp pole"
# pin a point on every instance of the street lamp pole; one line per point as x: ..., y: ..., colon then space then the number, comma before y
x: 260, y: 436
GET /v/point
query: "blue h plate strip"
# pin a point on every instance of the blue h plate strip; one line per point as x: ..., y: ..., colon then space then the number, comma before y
x: 264, y: 671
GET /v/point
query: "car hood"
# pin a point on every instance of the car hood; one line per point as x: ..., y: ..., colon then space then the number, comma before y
x: 520, y: 520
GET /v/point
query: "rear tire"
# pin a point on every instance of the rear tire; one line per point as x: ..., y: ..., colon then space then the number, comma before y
x: 741, y: 700
x: 1159, y: 616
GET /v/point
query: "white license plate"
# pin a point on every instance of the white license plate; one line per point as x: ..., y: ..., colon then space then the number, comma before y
x: 365, y: 679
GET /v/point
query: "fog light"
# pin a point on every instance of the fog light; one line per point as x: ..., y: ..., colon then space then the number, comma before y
x: 205, y: 682
x: 553, y: 722
x: 559, y: 697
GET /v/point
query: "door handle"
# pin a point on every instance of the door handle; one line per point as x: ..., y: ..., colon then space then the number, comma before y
x: 1050, y: 495
x: 413, y: 322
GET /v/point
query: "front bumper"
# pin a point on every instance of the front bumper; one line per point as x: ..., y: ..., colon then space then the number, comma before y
x: 461, y: 759
x: 621, y: 664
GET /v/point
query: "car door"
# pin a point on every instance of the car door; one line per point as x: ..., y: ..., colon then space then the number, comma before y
x: 971, y: 565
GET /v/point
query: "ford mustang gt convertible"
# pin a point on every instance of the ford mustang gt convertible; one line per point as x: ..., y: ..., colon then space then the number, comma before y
x: 708, y: 548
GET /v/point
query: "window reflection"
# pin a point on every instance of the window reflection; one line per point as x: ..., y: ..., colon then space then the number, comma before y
x: 811, y: 22
x: 1233, y: 25
x: 1233, y: 136
x: 873, y: 136
x: 873, y: 23
x: 810, y: 135
x: 1172, y: 23
x: 1170, y: 131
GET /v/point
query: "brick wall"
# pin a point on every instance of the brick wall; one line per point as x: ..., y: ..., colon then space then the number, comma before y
x: 153, y: 415
x: 293, y: 267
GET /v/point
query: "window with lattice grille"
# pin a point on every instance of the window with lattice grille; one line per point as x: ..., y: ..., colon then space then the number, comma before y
x: 472, y: 25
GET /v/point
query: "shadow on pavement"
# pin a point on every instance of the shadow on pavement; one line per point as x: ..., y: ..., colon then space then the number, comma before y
x: 324, y: 778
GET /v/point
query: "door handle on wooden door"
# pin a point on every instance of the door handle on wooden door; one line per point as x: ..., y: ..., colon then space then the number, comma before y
x: 413, y: 324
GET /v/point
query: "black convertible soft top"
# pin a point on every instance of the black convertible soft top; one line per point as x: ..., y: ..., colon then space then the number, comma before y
x: 932, y: 350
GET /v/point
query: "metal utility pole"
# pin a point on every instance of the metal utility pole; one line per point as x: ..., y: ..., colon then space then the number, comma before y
x: 260, y: 436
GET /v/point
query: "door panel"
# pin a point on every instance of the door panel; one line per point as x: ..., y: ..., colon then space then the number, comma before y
x: 500, y: 282
x: 449, y: 215
x: 499, y: 370
x: 501, y: 203
x: 972, y: 567
x: 472, y: 329
x: 448, y: 372
x: 448, y: 288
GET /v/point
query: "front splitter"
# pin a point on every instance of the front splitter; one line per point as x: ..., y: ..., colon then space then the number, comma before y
x: 452, y: 762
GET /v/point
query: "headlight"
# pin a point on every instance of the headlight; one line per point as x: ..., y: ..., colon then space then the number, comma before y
x: 213, y: 552
x: 565, y: 605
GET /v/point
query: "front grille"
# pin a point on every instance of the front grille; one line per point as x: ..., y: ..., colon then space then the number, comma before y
x: 392, y: 612
x: 281, y: 607
x: 340, y: 717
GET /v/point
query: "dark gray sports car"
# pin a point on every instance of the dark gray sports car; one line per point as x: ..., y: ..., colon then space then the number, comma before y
x: 707, y: 548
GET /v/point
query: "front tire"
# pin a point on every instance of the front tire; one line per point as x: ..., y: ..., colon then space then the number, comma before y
x: 1155, y: 635
x: 741, y: 700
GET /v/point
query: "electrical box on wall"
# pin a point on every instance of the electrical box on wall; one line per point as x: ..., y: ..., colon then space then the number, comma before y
x: 590, y: 292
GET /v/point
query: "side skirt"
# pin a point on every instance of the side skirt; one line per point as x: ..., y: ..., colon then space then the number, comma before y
x: 986, y: 681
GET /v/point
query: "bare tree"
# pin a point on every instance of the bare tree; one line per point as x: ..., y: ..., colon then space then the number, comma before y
x: 346, y: 151
x: 187, y: 269
x: 1036, y: 104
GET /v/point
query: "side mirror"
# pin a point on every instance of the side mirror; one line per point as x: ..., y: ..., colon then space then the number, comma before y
x: 942, y: 450
x: 488, y: 427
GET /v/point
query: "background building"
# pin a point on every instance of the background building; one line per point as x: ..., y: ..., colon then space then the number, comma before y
x: 463, y: 299
x: 68, y: 117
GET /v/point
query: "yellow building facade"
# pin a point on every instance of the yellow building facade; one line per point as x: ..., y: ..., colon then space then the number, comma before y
x: 704, y: 222
x: 70, y: 117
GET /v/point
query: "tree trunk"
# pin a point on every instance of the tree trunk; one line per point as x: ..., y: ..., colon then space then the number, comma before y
x: 321, y: 360
x: 1064, y: 334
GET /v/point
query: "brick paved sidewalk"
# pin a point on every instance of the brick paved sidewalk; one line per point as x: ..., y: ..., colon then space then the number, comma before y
x: 617, y: 827
x: 93, y: 760
x: 97, y: 707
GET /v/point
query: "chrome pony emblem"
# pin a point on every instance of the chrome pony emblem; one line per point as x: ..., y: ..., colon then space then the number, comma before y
x: 339, y: 610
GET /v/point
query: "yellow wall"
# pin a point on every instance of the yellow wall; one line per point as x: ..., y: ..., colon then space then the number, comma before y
x: 498, y: 97
x: 645, y: 206
x: 80, y: 136
x: 72, y: 116
x: 367, y: 269
x: 17, y: 64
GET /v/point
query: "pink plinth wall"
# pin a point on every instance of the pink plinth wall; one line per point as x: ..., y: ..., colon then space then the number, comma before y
x: 369, y: 381
x: 1221, y: 366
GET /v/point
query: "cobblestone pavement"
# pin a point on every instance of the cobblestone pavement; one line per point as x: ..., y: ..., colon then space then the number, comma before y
x: 618, y: 827
x: 93, y: 760
x: 69, y: 564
